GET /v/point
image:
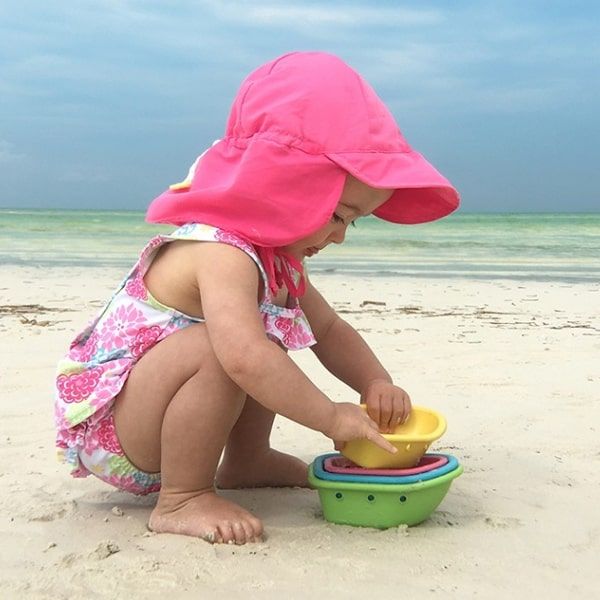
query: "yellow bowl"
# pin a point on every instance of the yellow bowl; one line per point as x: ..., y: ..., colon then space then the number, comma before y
x: 412, y: 439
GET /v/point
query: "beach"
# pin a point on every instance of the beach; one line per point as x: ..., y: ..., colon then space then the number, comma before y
x: 512, y: 364
x: 491, y: 320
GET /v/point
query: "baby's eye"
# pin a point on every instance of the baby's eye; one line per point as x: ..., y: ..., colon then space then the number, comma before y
x: 336, y: 218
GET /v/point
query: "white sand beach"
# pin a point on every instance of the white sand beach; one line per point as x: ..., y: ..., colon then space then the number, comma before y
x: 514, y: 367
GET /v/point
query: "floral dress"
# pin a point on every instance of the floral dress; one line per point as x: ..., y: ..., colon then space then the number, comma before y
x: 101, y: 357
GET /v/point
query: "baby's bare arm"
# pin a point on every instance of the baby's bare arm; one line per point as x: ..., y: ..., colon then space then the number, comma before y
x: 228, y: 283
x: 340, y: 348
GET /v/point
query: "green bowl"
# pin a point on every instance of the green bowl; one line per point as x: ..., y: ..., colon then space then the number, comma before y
x: 381, y: 505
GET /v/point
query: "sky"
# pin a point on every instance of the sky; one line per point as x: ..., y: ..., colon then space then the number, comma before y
x: 105, y: 103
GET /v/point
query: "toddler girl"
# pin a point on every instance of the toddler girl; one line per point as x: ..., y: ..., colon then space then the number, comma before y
x: 187, y: 361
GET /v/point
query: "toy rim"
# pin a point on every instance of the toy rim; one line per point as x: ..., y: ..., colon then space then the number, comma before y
x: 382, y: 487
x: 438, y: 432
x: 319, y: 461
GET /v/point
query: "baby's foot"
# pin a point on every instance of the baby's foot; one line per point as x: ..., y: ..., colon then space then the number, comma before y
x: 205, y: 515
x: 268, y: 469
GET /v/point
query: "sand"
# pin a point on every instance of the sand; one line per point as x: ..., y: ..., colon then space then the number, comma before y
x: 514, y: 366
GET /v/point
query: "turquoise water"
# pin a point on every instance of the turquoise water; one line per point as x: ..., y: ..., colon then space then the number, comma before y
x: 556, y: 247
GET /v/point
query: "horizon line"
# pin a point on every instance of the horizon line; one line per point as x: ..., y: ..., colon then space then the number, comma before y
x: 459, y: 212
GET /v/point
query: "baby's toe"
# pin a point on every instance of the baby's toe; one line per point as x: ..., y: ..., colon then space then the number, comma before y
x: 257, y: 527
x: 212, y: 537
x: 239, y: 532
x: 226, y: 533
x: 248, y: 532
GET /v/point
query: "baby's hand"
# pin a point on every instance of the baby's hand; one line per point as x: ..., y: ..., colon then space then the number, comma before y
x: 351, y: 422
x: 387, y: 404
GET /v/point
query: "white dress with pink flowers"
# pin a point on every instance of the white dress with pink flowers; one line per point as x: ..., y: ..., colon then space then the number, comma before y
x: 101, y: 357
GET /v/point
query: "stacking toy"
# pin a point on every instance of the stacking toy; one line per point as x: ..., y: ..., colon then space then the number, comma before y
x: 412, y: 439
x: 321, y: 473
x: 340, y: 464
x: 381, y: 505
x: 370, y: 487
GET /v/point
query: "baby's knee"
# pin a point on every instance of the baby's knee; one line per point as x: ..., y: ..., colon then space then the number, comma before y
x: 193, y: 348
x: 201, y: 352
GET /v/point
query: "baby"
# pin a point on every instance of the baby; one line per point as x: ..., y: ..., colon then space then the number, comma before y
x: 187, y: 363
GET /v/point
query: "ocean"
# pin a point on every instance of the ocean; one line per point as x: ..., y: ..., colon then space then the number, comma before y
x: 543, y: 247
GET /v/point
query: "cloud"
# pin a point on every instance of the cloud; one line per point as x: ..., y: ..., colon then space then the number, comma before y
x: 304, y: 15
x: 7, y: 153
x: 147, y: 78
x: 529, y: 98
x: 84, y: 174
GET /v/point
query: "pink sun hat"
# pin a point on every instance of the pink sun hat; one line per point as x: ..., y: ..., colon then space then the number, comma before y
x: 297, y: 126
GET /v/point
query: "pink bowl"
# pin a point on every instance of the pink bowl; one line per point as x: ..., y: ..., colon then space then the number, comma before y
x: 340, y: 464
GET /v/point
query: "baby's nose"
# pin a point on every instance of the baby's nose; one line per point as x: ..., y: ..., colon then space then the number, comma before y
x: 338, y: 235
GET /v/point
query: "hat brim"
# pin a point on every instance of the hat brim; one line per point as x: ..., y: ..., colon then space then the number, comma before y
x: 421, y: 194
x: 270, y: 193
x: 275, y: 194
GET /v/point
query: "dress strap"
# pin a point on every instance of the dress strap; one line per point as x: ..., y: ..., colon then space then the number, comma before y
x: 207, y: 233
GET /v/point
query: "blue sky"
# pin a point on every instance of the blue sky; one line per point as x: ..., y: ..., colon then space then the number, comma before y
x: 104, y: 103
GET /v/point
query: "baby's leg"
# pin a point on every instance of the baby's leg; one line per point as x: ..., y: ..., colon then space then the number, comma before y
x: 249, y: 460
x: 174, y: 414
